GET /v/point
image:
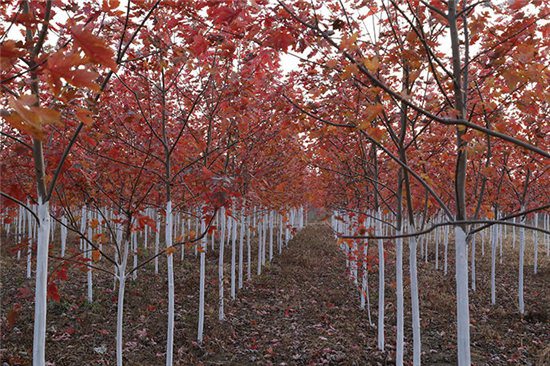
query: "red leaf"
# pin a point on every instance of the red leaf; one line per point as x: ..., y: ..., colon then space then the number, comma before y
x: 62, y: 274
x: 199, y: 45
x: 223, y: 14
x: 53, y: 292
x: 23, y: 293
x: 10, y: 51
x: 94, y: 47
x: 280, y: 40
x: 12, y: 316
x: 62, y: 66
x: 110, y: 5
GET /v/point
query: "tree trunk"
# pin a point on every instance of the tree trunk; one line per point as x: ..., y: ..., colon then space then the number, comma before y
x: 221, y: 314
x: 521, y: 262
x: 202, y: 275
x: 241, y: 247
x: 120, y: 302
x: 170, y: 273
x: 41, y: 291
x: 399, y: 292
x: 463, y: 311
x: 381, y: 289
x: 417, y: 348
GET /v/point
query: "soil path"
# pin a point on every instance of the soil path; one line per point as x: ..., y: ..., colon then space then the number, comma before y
x: 305, y: 311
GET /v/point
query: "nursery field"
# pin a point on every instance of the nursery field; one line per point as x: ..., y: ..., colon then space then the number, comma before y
x: 304, y: 310
x: 274, y: 182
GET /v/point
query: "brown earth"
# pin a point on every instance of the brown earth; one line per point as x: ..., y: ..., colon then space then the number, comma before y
x: 303, y: 310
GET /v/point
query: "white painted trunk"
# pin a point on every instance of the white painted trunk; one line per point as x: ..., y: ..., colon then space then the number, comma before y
x: 222, y: 220
x: 213, y: 236
x: 170, y: 274
x: 426, y: 240
x: 29, y: 244
x: 363, y: 291
x: 399, y: 292
x: 369, y: 317
x: 120, y: 302
x: 63, y: 235
x: 462, y: 301
x: 547, y: 236
x: 145, y: 236
x: 233, y: 257
x: 157, y: 243
x: 354, y: 264
x: 437, y: 235
x: 514, y: 234
x: 365, y: 285
x: 197, y: 228
x: 41, y: 288
x: 248, y: 252
x: 89, y: 254
x: 446, y: 253
x: 473, y: 265
x: 270, y: 218
x: 483, y: 243
x: 280, y: 236
x: 381, y: 285
x: 493, y: 264
x: 20, y: 229
x: 241, y: 248
x: 182, y: 253
x: 82, y: 227
x: 500, y: 239
x: 259, y: 268
x: 415, y: 303
x: 135, y: 252
x: 202, y: 281
x: 264, y: 238
x: 535, y: 244
x: 521, y: 263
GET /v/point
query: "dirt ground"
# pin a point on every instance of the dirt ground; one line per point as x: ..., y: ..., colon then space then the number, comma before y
x: 302, y: 310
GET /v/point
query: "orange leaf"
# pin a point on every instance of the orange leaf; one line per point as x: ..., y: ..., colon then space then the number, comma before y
x: 96, y: 255
x: 84, y: 115
x: 349, y: 71
x: 371, y: 113
x: 94, y: 223
x: 372, y: 64
x: 30, y: 118
x: 332, y: 63
x: 94, y: 47
x: 98, y: 238
x: 170, y: 250
x: 348, y: 43
x: 110, y: 5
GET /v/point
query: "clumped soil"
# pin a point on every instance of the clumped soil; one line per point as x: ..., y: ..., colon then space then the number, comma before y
x: 302, y: 310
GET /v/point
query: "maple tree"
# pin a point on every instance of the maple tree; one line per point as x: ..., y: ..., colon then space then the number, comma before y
x: 400, y: 121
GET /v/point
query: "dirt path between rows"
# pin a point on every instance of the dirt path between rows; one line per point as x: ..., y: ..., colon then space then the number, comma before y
x: 303, y: 311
